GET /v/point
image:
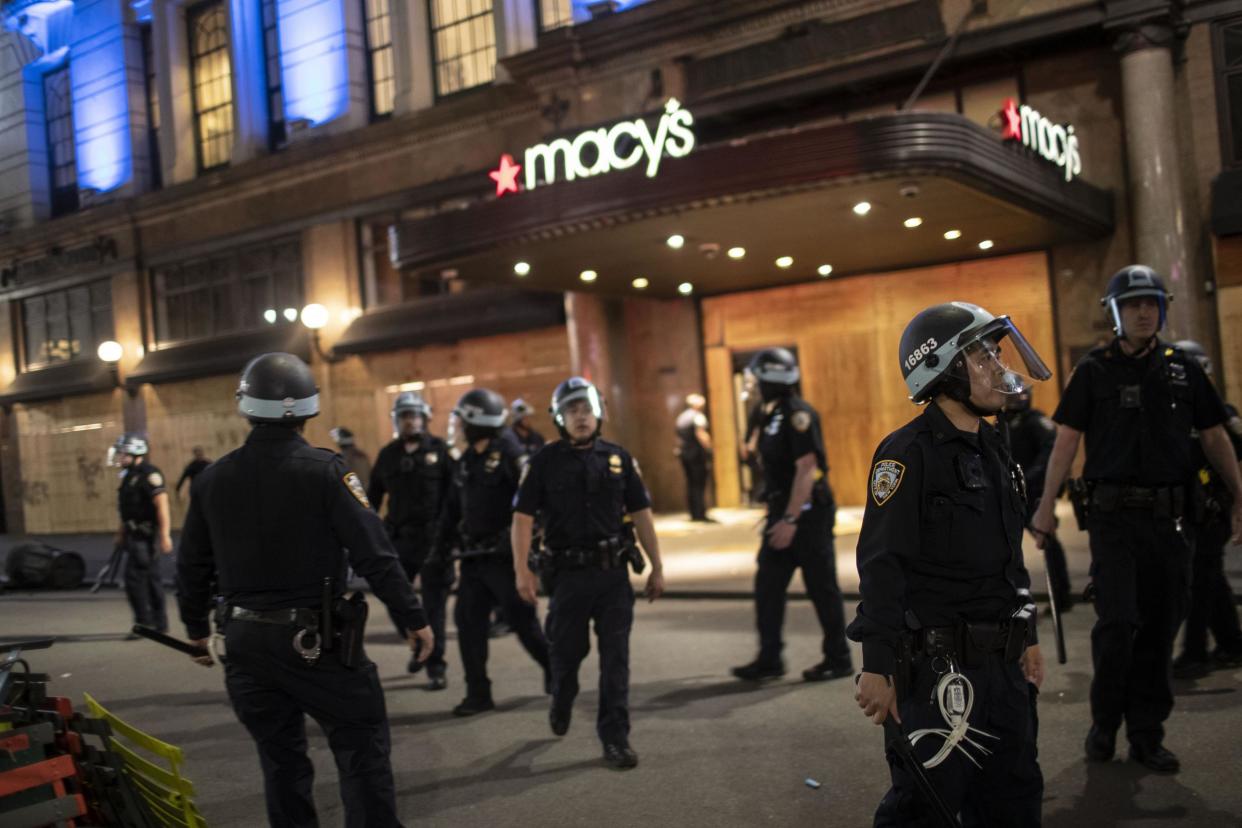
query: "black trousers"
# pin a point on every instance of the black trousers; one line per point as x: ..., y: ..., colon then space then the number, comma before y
x: 605, y: 597
x: 1140, y: 564
x: 272, y: 690
x: 1008, y: 788
x: 696, y: 486
x: 1212, y: 603
x: 486, y: 581
x: 814, y: 552
x: 143, y: 586
x: 435, y: 582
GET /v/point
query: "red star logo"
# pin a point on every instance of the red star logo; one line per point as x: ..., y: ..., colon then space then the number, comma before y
x: 1012, y: 128
x: 505, y: 175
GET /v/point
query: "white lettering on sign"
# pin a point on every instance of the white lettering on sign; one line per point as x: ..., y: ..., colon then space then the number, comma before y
x: 603, y: 150
x: 1054, y: 142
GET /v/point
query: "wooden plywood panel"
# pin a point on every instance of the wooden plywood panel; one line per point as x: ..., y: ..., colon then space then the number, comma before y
x: 847, y: 334
x: 722, y: 414
x: 1229, y: 308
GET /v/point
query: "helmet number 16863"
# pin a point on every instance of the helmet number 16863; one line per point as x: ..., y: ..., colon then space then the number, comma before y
x: 917, y: 355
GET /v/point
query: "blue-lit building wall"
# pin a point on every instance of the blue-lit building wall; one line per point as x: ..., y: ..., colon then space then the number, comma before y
x: 101, y: 116
x: 313, y: 59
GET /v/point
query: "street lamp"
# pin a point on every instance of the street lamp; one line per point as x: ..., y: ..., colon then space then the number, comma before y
x: 110, y: 352
x: 314, y: 316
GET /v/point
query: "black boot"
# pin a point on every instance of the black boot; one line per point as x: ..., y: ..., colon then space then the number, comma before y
x: 827, y: 670
x: 435, y: 677
x: 1101, y: 744
x: 559, y: 719
x: 620, y: 756
x: 1155, y: 756
x: 471, y: 705
x: 759, y: 670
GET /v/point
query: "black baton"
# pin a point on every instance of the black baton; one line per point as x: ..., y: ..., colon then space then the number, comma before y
x: 168, y: 641
x: 1056, y: 613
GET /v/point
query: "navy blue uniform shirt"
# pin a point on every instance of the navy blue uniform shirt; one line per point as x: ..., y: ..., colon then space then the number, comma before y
x: 789, y: 428
x: 480, y: 501
x: 415, y: 482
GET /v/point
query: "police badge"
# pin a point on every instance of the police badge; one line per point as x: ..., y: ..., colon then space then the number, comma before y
x: 885, y: 478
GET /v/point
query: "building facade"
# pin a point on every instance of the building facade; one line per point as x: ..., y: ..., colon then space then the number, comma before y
x: 501, y: 193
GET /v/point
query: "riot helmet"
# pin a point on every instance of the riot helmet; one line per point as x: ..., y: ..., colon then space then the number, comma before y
x: 1195, y: 351
x: 411, y: 402
x: 482, y: 413
x: 519, y: 410
x: 130, y: 443
x: 944, y: 343
x: 571, y: 391
x: 1131, y: 282
x: 277, y: 388
x: 342, y: 436
x: 776, y: 370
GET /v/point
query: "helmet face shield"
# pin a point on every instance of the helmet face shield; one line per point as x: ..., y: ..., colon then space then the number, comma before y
x: 990, y: 355
x: 592, y: 397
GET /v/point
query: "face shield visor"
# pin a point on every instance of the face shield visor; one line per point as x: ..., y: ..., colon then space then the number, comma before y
x: 1115, y: 303
x: 408, y: 421
x: 1001, y: 356
x: 114, y: 457
x: 592, y: 397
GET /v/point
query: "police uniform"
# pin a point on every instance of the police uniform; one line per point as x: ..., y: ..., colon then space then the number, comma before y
x: 416, y: 484
x: 581, y: 496
x: 478, y: 515
x: 790, y: 429
x: 530, y: 442
x: 1212, y: 603
x: 1137, y: 414
x: 940, y: 560
x: 694, y: 461
x: 267, y: 524
x: 140, y: 483
x: 1031, y: 436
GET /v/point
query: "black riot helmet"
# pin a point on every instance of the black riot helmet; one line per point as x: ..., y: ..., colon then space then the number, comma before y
x: 571, y: 390
x: 482, y: 413
x: 277, y: 388
x: 131, y: 443
x: 935, y: 343
x: 1130, y: 282
x: 776, y: 369
x: 1195, y: 351
x: 413, y: 402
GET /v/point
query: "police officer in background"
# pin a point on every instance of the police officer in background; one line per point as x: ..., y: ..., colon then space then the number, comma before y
x: 414, y: 472
x: 694, y: 446
x: 946, y: 623
x: 1212, y: 603
x: 145, y: 530
x: 355, y: 458
x: 798, y: 529
x: 477, y: 515
x: 1136, y: 400
x: 1029, y: 435
x: 268, y: 529
x: 520, y: 428
x: 581, y: 488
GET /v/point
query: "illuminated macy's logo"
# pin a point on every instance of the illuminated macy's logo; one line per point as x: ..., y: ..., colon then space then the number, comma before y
x: 598, y: 151
x: 1055, y: 142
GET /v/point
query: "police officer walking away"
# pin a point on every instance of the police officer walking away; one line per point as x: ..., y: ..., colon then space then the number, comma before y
x: 267, y: 530
x: 478, y: 514
x: 581, y: 488
x: 694, y: 446
x: 1212, y: 603
x: 192, y: 469
x: 414, y: 471
x: 946, y: 623
x: 798, y: 529
x: 520, y: 428
x: 1136, y: 400
x: 145, y: 530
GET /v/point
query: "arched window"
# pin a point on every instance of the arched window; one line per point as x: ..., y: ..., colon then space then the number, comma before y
x: 211, y: 76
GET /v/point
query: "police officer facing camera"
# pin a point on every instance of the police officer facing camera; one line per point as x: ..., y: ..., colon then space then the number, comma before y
x: 581, y: 488
x: 945, y: 621
x: 798, y: 529
x: 1136, y: 400
x: 476, y: 519
x: 144, y: 533
x: 269, y: 525
x: 414, y: 472
x: 520, y: 428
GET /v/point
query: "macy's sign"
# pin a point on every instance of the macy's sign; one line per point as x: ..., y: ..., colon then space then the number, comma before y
x: 603, y: 150
x: 1056, y: 143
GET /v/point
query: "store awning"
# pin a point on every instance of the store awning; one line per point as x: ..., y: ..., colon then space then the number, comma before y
x: 787, y: 194
x: 449, y: 318
x: 223, y: 355
x: 69, y: 379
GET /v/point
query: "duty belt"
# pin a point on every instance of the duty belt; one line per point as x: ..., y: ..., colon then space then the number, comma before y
x: 1165, y: 501
x: 144, y: 528
x: 497, y: 544
x: 307, y: 637
x: 585, y: 558
x: 967, y: 642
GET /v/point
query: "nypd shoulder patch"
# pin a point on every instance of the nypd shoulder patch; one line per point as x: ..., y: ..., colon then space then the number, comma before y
x: 354, y: 484
x: 801, y: 420
x: 886, y: 476
x: 155, y: 479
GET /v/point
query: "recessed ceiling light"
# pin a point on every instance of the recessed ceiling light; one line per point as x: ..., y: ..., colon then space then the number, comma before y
x: 270, y: 316
x: 862, y: 208
x: 784, y: 261
x: 824, y: 270
x: 737, y: 252
x: 588, y: 275
x: 675, y: 241
x: 912, y: 222
x: 640, y: 283
x: 952, y: 234
x: 986, y: 244
x: 685, y: 288
x: 521, y: 268
x: 291, y: 314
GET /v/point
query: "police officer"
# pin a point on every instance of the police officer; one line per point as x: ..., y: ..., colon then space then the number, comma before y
x: 355, y: 458
x: 1136, y: 400
x: 581, y: 488
x: 477, y: 517
x: 694, y: 446
x: 1029, y: 435
x: 1212, y: 603
x: 798, y: 529
x: 414, y: 472
x: 268, y: 529
x: 520, y: 428
x: 945, y: 621
x: 145, y: 530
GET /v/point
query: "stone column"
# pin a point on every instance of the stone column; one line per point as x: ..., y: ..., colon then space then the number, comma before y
x: 1162, y: 216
